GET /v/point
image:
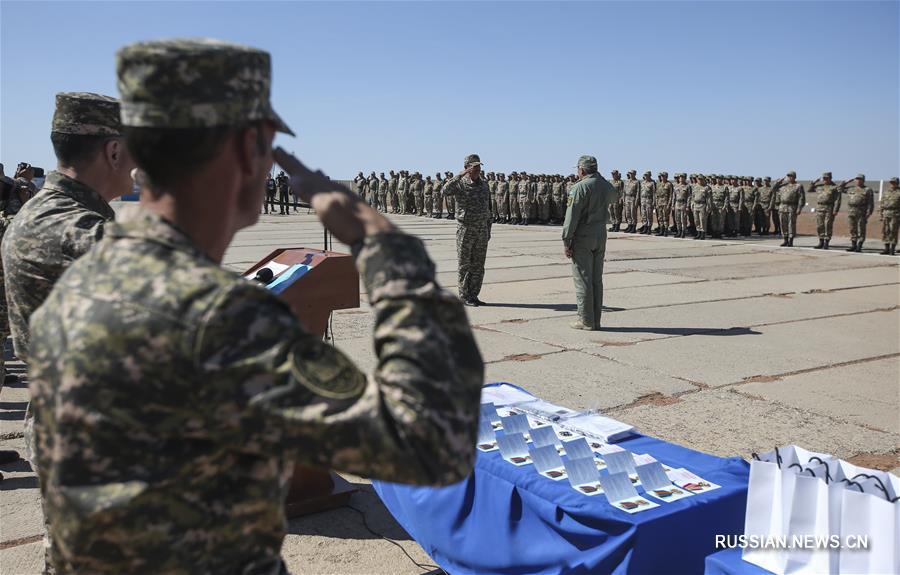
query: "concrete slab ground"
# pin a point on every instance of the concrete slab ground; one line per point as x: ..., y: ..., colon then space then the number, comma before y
x: 729, y: 347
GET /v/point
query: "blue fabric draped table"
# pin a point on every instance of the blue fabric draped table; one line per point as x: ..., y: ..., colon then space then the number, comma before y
x: 508, y: 520
x: 729, y: 562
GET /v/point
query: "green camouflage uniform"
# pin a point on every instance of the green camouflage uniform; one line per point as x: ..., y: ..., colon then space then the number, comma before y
x: 699, y: 201
x: 860, y: 205
x: 503, y: 200
x: 403, y: 193
x: 828, y: 204
x: 525, y: 195
x: 616, y: 206
x: 663, y: 204
x: 492, y: 188
x: 383, y: 186
x: 372, y: 191
x: 681, y: 193
x: 631, y: 198
x: 428, y: 195
x: 515, y: 212
x: 718, y: 207
x: 647, y: 194
x: 4, y: 317
x: 584, y: 232
x: 542, y: 194
x: 750, y: 205
x: 733, y: 211
x: 890, y: 214
x: 173, y: 397
x: 766, y: 208
x: 791, y: 198
x: 438, y: 209
x: 560, y: 203
x: 473, y: 230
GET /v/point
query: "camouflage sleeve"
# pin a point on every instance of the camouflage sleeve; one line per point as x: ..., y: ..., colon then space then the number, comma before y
x: 452, y: 186
x: 275, y: 387
x: 81, y: 234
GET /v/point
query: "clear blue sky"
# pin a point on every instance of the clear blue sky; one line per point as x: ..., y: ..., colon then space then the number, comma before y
x: 755, y: 87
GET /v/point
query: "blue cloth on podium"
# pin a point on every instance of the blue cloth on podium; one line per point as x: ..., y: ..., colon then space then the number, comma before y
x: 729, y: 562
x: 508, y: 520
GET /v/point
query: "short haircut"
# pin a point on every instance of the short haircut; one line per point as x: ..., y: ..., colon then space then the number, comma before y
x: 76, y: 149
x: 169, y: 155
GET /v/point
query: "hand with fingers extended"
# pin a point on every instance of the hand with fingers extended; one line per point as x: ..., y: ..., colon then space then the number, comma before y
x: 342, y: 212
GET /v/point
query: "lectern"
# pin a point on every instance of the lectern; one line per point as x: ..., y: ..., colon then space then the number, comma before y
x: 313, y: 283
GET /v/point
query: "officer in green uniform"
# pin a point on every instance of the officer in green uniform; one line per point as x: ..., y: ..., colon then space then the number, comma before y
x: 584, y: 239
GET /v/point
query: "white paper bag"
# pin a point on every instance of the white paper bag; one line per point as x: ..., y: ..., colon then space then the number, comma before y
x: 872, y: 516
x: 764, y: 516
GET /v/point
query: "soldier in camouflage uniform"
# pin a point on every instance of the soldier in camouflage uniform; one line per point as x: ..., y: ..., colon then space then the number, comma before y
x: 437, y: 211
x: 492, y: 188
x: 559, y: 201
x: 542, y: 195
x: 371, y: 191
x: 828, y: 204
x: 584, y: 240
x: 473, y: 231
x: 764, y: 213
x: 735, y: 199
x: 428, y: 194
x: 631, y: 199
x: 860, y: 205
x: 647, y: 195
x: 417, y: 191
x: 717, y: 208
x: 699, y: 204
x: 616, y: 206
x: 681, y: 196
x: 209, y: 388
x: 449, y: 200
x: 890, y: 217
x: 664, y: 200
x: 502, y: 196
x: 749, y: 207
x: 792, y: 198
x: 403, y: 191
x: 515, y: 213
x: 524, y: 195
x: 384, y: 186
x: 776, y: 206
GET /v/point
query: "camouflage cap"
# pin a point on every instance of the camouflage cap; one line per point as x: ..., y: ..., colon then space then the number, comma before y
x: 615, y: 172
x: 588, y: 163
x: 194, y: 84
x: 792, y: 173
x: 826, y: 174
x: 648, y: 173
x: 86, y: 114
x: 860, y: 176
x: 895, y: 180
x: 471, y: 160
x: 632, y: 171
x: 666, y: 174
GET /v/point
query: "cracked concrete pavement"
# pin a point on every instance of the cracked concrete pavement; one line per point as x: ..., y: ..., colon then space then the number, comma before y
x: 728, y: 347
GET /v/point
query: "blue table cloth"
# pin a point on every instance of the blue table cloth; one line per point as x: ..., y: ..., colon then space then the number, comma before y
x: 506, y: 519
x: 729, y: 562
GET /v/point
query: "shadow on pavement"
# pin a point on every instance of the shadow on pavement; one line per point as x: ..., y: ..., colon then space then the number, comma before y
x: 684, y: 330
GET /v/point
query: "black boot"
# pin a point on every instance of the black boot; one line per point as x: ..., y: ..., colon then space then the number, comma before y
x: 698, y: 234
x: 886, y: 251
x: 825, y: 247
x: 791, y: 242
x: 784, y: 243
x: 820, y: 245
x: 665, y: 232
x: 859, y: 246
x: 852, y: 247
x: 702, y: 235
x: 893, y: 249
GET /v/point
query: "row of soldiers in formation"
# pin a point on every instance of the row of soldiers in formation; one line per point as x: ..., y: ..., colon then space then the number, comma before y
x: 695, y: 204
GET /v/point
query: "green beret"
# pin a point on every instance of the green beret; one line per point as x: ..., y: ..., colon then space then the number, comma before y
x: 86, y: 114
x: 194, y: 84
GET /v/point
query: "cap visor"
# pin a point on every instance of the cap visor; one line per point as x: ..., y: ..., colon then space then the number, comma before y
x: 280, y: 124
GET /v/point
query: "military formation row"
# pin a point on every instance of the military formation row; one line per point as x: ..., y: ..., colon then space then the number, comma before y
x: 695, y: 204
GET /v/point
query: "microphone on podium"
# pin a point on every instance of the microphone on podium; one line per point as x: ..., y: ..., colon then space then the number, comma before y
x: 264, y: 275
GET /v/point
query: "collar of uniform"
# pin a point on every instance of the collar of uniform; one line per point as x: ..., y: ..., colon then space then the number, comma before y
x: 80, y: 192
x: 146, y: 225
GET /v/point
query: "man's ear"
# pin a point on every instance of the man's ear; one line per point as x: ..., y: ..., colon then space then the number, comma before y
x: 245, y: 142
x: 113, y: 151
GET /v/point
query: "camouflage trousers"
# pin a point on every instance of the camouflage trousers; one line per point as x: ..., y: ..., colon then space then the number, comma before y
x: 524, y: 206
x: 395, y: 203
x: 587, y: 273
x: 630, y: 209
x: 700, y: 218
x: 503, y: 205
x: 438, y: 207
x: 662, y: 215
x: 858, y: 222
x: 514, y: 211
x: 615, y: 212
x: 419, y: 198
x: 401, y: 198
x: 824, y: 222
x: 776, y: 220
x: 495, y: 210
x: 890, y: 221
x: 716, y: 220
x: 382, y: 201
x: 681, y: 218
x: 788, y: 223
x: 543, y: 208
x: 450, y: 201
x: 559, y: 206
x: 646, y: 214
x: 429, y: 203
x: 732, y: 219
x: 471, y: 252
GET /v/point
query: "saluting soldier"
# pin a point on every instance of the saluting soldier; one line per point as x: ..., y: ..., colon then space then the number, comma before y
x: 828, y: 204
x: 791, y: 198
x: 616, y: 206
x: 890, y: 217
x: 631, y: 194
x: 699, y: 204
x: 860, y: 205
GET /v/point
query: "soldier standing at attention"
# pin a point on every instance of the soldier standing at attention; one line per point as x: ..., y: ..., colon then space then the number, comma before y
x: 502, y: 199
x: 681, y: 195
x: 647, y: 194
x: 735, y: 201
x: 751, y: 203
x: 284, y: 191
x: 860, y: 205
x: 791, y: 198
x: 764, y: 211
x: 616, y: 205
x: 631, y: 189
x: 403, y: 191
x: 428, y: 194
x: 492, y: 188
x: 663, y: 204
x: 450, y: 200
x: 717, y: 208
x: 270, y: 194
x: 8, y: 187
x: 828, y: 204
x: 515, y: 212
x: 210, y: 389
x: 437, y: 211
x: 473, y: 229
x: 384, y: 186
x: 776, y: 206
x: 524, y: 195
x: 542, y: 194
x: 558, y: 197
x: 584, y: 240
x: 699, y: 204
x: 417, y: 190
x: 371, y: 192
x: 890, y: 217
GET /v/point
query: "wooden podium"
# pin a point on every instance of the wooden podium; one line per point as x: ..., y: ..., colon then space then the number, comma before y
x: 331, y: 282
